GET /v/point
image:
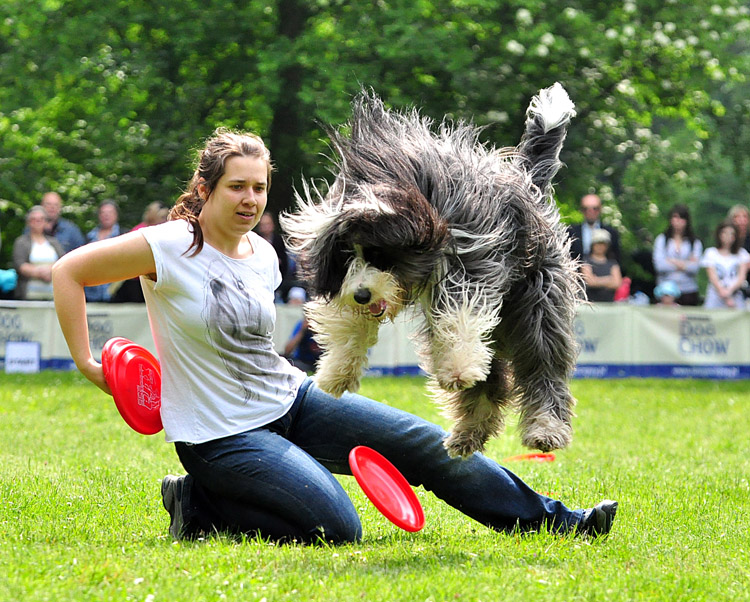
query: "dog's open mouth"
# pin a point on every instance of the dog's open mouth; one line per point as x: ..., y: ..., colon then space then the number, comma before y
x: 377, y: 309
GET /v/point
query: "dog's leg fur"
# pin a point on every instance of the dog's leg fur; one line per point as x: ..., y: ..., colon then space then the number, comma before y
x: 477, y: 413
x: 344, y: 336
x: 538, y: 326
x: 458, y: 349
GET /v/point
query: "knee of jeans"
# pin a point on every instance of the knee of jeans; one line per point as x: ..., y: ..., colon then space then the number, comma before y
x: 339, y: 532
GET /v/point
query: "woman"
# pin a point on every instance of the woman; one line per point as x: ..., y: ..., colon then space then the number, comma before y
x: 108, y: 227
x: 739, y: 215
x: 255, y: 435
x: 33, y: 256
x: 726, y: 267
x: 601, y: 275
x: 677, y: 254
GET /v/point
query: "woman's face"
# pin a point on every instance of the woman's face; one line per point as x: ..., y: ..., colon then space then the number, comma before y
x: 107, y: 216
x: 678, y: 223
x: 239, y: 199
x: 36, y: 221
x: 726, y: 237
x: 741, y: 219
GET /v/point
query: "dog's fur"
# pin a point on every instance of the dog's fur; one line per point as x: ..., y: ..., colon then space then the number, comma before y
x: 430, y: 216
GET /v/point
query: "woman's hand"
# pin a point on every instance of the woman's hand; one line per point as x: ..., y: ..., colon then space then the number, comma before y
x: 94, y: 372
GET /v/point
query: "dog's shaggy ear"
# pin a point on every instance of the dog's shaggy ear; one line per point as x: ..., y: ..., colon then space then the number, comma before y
x: 386, y: 223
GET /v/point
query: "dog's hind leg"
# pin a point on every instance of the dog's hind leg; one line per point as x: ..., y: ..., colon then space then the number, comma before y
x: 345, y: 336
x: 478, y: 413
x: 538, y: 329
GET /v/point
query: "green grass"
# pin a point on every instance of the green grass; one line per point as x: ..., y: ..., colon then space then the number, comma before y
x: 81, y: 515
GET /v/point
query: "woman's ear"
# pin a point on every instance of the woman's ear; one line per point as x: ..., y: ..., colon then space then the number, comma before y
x: 202, y: 190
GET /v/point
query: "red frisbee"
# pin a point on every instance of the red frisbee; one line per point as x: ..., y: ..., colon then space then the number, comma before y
x: 534, y: 457
x: 133, y: 375
x: 386, y: 488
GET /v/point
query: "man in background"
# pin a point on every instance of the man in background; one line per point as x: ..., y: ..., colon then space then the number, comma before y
x: 581, y: 234
x: 66, y: 232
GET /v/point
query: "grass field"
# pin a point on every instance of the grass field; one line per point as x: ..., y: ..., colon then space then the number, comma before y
x: 81, y: 515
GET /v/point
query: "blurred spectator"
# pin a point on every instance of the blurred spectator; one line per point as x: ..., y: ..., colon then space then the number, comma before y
x: 66, y: 232
x: 108, y: 228
x: 740, y: 217
x: 726, y: 266
x: 155, y: 213
x: 667, y: 293
x: 677, y: 254
x: 267, y: 229
x: 130, y: 291
x: 601, y: 274
x: 296, y: 296
x: 301, y: 349
x: 580, y: 234
x: 33, y: 255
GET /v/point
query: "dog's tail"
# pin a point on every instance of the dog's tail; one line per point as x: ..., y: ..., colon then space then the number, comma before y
x: 547, y: 119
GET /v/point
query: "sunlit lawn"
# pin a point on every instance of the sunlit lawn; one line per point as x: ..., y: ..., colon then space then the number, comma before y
x: 82, y: 519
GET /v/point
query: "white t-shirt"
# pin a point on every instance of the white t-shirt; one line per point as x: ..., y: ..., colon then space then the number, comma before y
x: 212, y: 318
x: 727, y: 269
x: 42, y: 253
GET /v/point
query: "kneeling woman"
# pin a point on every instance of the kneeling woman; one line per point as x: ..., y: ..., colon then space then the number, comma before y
x: 258, y: 439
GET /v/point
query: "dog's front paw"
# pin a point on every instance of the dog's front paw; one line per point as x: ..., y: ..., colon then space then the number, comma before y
x: 460, y: 378
x: 547, y: 435
x: 462, y: 444
x: 337, y: 385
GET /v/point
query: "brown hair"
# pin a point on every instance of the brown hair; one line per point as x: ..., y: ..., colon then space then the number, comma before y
x: 211, y: 161
x: 728, y: 224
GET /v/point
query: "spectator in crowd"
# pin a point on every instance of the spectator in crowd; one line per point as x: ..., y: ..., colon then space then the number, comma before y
x: 601, y: 274
x: 267, y: 229
x: 34, y: 252
x: 108, y: 227
x: 677, y: 254
x: 739, y: 215
x: 667, y: 294
x: 726, y: 266
x: 581, y: 234
x: 301, y: 349
x: 155, y: 213
x: 130, y: 291
x: 66, y: 232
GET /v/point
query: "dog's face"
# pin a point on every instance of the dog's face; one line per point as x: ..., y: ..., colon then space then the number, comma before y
x: 378, y: 252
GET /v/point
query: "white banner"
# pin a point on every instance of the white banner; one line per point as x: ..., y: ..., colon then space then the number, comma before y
x: 615, y: 340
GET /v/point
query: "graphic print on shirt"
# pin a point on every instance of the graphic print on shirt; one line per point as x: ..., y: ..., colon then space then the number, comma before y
x: 237, y: 326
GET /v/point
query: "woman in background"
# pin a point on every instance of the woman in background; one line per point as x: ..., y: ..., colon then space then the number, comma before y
x: 726, y: 266
x: 677, y: 254
x: 34, y: 253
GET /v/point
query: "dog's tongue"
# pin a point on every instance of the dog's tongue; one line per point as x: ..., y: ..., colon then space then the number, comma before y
x: 377, y: 309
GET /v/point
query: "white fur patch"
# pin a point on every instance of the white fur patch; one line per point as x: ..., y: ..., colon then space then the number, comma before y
x: 554, y: 106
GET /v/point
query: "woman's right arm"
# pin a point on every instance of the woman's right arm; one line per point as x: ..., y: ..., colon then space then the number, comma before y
x: 103, y: 262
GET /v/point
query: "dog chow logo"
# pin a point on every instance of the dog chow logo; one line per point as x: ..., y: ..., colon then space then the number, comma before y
x: 698, y: 337
x: 586, y: 344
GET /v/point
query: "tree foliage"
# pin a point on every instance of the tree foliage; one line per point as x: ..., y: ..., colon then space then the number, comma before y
x: 107, y: 100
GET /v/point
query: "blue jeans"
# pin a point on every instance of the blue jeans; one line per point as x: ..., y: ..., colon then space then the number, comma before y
x: 276, y: 480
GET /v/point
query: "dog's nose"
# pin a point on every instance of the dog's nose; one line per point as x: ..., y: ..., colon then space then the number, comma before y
x: 362, y: 296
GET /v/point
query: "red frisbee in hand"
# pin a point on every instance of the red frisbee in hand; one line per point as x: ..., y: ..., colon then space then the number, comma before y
x: 133, y: 375
x: 386, y: 488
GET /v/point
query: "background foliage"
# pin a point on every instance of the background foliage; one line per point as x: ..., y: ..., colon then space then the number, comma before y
x: 108, y: 100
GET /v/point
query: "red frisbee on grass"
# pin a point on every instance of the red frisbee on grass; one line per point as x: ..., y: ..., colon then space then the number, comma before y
x: 386, y: 488
x: 133, y: 375
x: 534, y: 457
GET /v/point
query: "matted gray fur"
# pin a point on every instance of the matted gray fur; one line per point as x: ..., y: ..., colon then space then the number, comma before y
x: 425, y: 214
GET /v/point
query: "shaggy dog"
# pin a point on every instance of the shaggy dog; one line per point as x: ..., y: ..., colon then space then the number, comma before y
x: 429, y: 216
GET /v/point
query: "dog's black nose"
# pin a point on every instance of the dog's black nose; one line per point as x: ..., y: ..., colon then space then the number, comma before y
x: 362, y: 296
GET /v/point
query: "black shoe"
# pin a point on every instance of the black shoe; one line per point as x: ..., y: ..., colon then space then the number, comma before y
x: 171, y: 494
x: 598, y: 520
